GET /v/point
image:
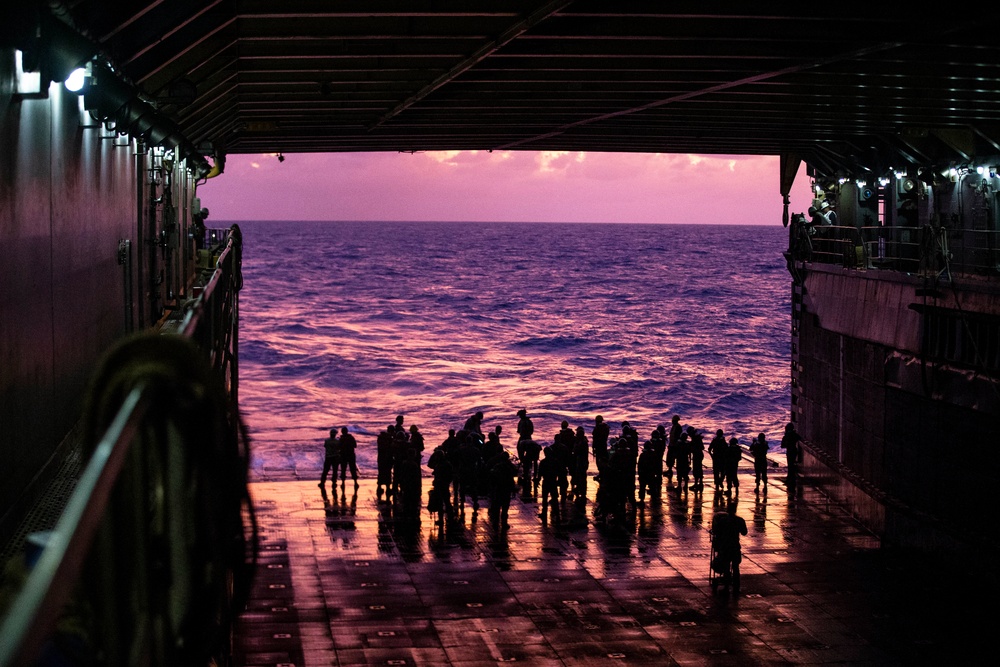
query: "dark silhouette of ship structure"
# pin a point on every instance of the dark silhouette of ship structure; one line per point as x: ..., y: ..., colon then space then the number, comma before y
x: 132, y: 533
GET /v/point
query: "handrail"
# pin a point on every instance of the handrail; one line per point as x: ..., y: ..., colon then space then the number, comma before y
x: 128, y: 458
x: 836, y: 244
x: 925, y: 250
x: 194, y: 315
x: 53, y: 577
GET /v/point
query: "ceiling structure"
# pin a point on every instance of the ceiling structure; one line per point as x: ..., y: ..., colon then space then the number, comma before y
x: 845, y: 85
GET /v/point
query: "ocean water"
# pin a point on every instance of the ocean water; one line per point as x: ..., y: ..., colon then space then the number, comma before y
x: 351, y: 323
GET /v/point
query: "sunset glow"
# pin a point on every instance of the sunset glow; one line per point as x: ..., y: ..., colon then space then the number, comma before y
x: 513, y: 186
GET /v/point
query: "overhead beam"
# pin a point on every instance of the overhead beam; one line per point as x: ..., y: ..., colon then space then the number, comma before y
x: 546, y: 10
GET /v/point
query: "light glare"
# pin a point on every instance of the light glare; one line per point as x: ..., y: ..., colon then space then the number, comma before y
x: 74, y: 82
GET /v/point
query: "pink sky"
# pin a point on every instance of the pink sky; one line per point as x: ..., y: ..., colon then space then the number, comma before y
x: 515, y: 186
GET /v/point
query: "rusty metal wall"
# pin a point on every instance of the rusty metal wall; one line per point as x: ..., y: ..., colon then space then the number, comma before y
x: 67, y: 197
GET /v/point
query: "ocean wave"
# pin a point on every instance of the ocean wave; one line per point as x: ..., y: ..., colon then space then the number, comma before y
x: 596, y: 319
x: 385, y: 316
x: 551, y: 343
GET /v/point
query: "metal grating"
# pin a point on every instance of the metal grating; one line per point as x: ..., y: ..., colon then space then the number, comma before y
x: 45, y: 513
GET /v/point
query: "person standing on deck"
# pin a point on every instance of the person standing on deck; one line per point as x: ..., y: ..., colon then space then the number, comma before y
x: 790, y: 442
x: 549, y: 473
x: 409, y: 483
x: 648, y: 469
x: 734, y: 454
x: 682, y: 459
x: 331, y: 457
x: 674, y: 437
x: 628, y: 446
x: 726, y: 530
x: 525, y: 427
x: 493, y: 445
x: 348, y: 456
x: 383, y: 445
x: 581, y: 462
x: 717, y: 450
x: 440, y: 462
x: 528, y: 451
x: 659, y: 442
x: 599, y: 442
x: 399, y: 428
x: 474, y: 424
x: 399, y: 446
x: 697, y: 459
x: 758, y: 448
x: 503, y: 484
x: 561, y: 453
x: 416, y: 441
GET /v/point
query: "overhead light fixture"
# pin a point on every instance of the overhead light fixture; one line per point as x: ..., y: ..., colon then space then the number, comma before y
x: 281, y: 158
x: 77, y: 78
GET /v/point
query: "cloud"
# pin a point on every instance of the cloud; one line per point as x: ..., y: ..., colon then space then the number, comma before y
x: 503, y: 186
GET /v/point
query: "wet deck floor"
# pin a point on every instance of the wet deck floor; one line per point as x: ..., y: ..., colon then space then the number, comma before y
x: 344, y: 583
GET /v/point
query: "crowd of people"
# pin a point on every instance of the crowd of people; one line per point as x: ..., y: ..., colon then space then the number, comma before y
x: 470, y: 465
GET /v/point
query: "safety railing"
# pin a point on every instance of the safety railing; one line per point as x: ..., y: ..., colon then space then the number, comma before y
x: 923, y: 250
x: 151, y: 559
x: 210, y: 322
x: 834, y: 244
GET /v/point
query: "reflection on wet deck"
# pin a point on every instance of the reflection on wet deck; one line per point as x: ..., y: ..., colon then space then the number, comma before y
x: 344, y: 583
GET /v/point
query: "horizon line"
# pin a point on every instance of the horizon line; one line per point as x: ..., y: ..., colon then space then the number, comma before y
x: 513, y: 222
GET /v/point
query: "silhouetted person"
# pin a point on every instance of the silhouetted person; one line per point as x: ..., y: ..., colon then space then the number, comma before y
x: 628, y: 445
x: 618, y: 481
x: 444, y: 474
x: 417, y: 440
x: 648, y: 469
x: 331, y: 457
x: 399, y: 428
x: 474, y: 424
x: 734, y: 453
x: 631, y: 435
x: 525, y: 427
x: 503, y: 484
x: 580, y: 463
x: 672, y: 439
x: 697, y: 448
x: 409, y: 481
x: 198, y: 228
x: 758, y: 449
x: 399, y: 446
x: 717, y: 450
x: 599, y: 442
x: 493, y: 446
x: 528, y: 451
x: 548, y: 473
x: 682, y: 460
x: 348, y: 455
x: 560, y: 452
x: 790, y: 442
x: 658, y: 439
x: 726, y: 530
x: 383, y: 444
x: 469, y: 461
